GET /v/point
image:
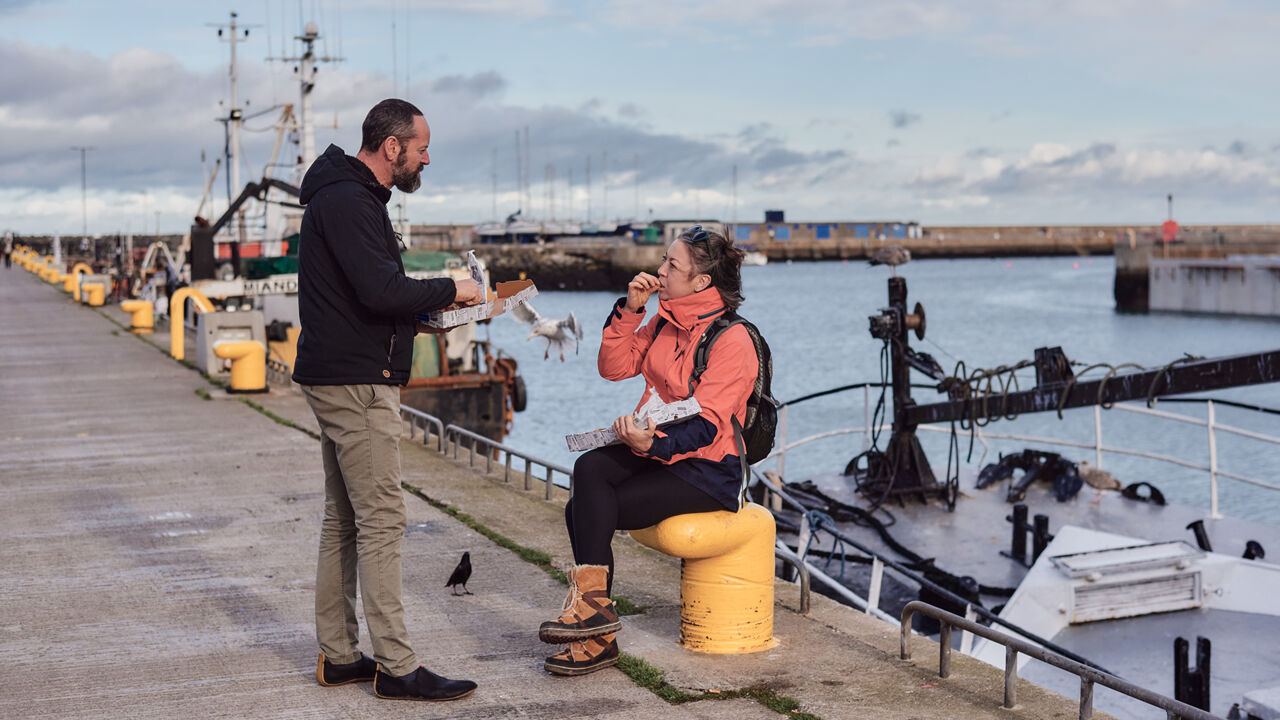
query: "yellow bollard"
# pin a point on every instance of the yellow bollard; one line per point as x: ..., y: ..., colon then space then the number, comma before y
x: 96, y: 294
x: 142, y: 320
x: 72, y: 283
x: 177, y: 316
x: 248, y: 365
x: 726, y: 579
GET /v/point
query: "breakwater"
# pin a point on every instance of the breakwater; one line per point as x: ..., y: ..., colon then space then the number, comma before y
x: 1199, y: 242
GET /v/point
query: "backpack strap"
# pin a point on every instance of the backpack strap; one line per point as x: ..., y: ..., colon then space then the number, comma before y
x: 657, y: 327
x: 702, y: 353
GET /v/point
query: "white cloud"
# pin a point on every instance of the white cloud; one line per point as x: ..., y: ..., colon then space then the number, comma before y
x: 148, y: 119
x: 501, y: 8
x: 1059, y: 181
x: 836, y: 18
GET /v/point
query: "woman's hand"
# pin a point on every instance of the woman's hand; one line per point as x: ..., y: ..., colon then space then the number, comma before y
x: 639, y: 289
x: 639, y: 439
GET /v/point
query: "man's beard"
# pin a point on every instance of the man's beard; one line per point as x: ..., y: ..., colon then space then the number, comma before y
x: 404, y: 179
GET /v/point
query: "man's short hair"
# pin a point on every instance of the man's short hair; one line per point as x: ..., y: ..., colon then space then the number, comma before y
x: 389, y: 118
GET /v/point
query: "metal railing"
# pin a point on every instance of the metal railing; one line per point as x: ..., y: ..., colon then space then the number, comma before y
x: 783, y: 553
x: 1012, y: 646
x: 279, y: 371
x: 454, y: 435
x: 1212, y: 426
x: 418, y: 419
x: 881, y: 564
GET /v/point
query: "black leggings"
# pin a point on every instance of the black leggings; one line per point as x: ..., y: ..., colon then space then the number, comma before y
x: 615, y: 489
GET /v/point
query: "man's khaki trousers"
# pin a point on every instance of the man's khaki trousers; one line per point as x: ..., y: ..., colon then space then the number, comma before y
x: 364, y: 523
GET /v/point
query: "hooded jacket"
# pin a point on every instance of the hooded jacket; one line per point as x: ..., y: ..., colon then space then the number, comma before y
x: 354, y: 301
x: 701, y: 450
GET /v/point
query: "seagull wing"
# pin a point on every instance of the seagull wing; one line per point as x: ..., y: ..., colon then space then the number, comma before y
x: 525, y: 313
x: 572, y: 325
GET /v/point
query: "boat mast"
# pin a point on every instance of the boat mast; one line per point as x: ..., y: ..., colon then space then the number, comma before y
x: 235, y: 113
x: 306, y: 69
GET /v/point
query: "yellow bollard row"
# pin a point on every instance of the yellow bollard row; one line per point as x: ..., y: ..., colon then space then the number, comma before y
x: 248, y: 365
x: 178, y: 314
x: 72, y: 284
x: 726, y: 579
x: 248, y: 357
x: 93, y: 294
x: 142, y: 317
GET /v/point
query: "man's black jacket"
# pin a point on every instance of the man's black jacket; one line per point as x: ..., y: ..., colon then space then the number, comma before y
x: 354, y: 301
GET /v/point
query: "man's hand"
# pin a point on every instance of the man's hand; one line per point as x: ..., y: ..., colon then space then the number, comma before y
x: 639, y: 439
x: 466, y: 292
x: 639, y: 289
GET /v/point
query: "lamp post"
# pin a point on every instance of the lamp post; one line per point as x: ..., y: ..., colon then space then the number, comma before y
x: 84, y: 202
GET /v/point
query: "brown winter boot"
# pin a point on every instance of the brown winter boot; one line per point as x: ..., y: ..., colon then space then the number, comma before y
x: 587, y: 613
x: 583, y: 658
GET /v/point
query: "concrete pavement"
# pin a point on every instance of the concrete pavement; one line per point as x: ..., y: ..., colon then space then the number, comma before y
x: 160, y: 550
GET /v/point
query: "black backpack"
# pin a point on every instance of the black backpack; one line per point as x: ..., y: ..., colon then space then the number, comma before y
x: 756, y: 435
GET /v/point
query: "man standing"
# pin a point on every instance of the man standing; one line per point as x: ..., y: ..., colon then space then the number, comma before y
x: 357, y: 310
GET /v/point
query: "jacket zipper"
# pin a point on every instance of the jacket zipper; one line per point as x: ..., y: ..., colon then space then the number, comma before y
x: 392, y: 350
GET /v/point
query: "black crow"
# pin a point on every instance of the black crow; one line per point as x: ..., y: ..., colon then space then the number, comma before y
x: 461, y: 575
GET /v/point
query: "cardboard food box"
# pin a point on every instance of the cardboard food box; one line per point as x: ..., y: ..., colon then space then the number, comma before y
x: 502, y: 298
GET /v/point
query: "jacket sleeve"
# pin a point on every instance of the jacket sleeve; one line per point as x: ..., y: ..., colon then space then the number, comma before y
x: 721, y: 393
x: 353, y: 231
x: 624, y: 343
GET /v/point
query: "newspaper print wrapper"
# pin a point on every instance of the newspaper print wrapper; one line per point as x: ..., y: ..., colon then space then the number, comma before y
x: 654, y: 409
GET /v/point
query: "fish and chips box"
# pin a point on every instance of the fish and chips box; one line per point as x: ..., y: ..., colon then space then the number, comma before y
x: 503, y: 297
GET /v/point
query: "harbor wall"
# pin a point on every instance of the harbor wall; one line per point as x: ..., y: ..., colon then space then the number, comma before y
x: 1132, y: 286
x: 1236, y: 285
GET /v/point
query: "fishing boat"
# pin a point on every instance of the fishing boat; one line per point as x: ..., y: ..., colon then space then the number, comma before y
x: 1171, y: 598
x: 246, y: 260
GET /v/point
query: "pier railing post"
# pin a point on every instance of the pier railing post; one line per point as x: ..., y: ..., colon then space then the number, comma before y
x: 1097, y: 436
x: 944, y: 650
x: 1010, y: 676
x: 782, y: 441
x: 873, y: 591
x: 1213, y: 466
x: 1086, y: 698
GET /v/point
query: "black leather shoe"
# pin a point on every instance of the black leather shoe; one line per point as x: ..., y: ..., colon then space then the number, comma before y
x: 329, y: 674
x: 421, y: 684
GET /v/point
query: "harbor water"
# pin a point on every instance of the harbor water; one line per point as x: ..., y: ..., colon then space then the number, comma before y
x: 986, y: 312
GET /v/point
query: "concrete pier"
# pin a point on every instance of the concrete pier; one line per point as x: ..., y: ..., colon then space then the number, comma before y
x: 159, y: 552
x: 1234, y: 285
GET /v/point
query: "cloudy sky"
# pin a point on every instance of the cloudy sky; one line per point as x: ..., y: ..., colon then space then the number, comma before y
x: 940, y: 111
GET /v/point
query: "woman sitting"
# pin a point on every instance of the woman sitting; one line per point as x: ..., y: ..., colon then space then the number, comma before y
x: 688, y: 467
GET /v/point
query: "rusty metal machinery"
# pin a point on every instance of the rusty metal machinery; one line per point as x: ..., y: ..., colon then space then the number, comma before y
x: 986, y: 396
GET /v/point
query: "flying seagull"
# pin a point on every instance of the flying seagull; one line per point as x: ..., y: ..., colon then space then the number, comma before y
x: 461, y: 575
x: 891, y: 255
x: 558, y: 333
x: 1098, y: 479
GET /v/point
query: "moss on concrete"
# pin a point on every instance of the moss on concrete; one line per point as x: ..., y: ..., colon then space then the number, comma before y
x: 651, y: 679
x: 530, y: 555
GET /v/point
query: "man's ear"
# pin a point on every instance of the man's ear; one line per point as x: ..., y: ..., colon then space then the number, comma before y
x: 390, y: 152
